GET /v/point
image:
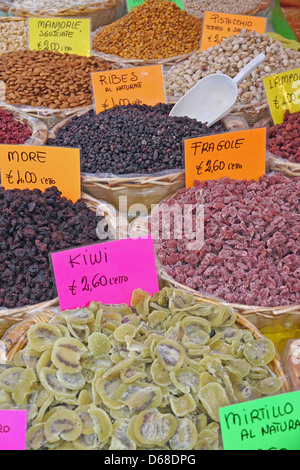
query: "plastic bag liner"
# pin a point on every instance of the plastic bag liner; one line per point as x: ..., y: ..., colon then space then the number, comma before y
x: 71, y: 327
x: 38, y: 128
x: 275, y: 162
x: 142, y: 189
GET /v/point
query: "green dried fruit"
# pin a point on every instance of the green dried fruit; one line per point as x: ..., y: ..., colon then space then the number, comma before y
x: 153, y: 428
x: 42, y: 336
x: 259, y: 352
x: 185, y: 436
x: 66, y: 354
x: 63, y: 424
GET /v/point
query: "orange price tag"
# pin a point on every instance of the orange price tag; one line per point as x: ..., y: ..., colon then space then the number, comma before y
x: 237, y: 155
x: 40, y: 167
x: 138, y: 85
x: 219, y: 26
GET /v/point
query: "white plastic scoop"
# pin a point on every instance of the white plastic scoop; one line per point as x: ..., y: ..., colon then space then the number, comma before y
x: 214, y: 96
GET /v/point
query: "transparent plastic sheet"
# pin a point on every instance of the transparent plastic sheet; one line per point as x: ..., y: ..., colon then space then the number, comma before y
x: 39, y: 130
x: 253, y: 8
x: 291, y: 362
x: 115, y: 350
x: 276, y: 162
x: 142, y: 189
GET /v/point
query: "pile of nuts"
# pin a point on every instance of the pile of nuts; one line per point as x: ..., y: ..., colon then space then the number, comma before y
x: 229, y: 58
x: 49, y: 79
x: 156, y: 29
x: 13, y: 35
x: 199, y: 7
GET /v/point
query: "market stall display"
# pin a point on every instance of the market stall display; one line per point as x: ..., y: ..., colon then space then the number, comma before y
x: 49, y: 85
x: 250, y: 255
x: 134, y: 151
x: 130, y: 378
x: 101, y: 13
x: 33, y: 224
x: 154, y: 32
x: 222, y: 329
x: 229, y: 58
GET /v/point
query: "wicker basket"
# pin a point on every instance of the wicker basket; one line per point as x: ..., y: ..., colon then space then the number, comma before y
x: 9, y: 317
x: 38, y: 128
x: 15, y: 339
x: 276, y: 163
x: 141, y: 227
x: 142, y: 190
x: 100, y: 15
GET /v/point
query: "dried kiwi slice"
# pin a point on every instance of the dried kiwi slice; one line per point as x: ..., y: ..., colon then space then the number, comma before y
x: 99, y: 344
x: 259, y: 352
x: 139, y: 397
x: 50, y: 382
x: 66, y: 354
x: 35, y: 437
x: 71, y: 381
x: 185, y: 436
x: 102, y: 424
x: 154, y: 428
x: 42, y: 336
x: 63, y: 424
x: 212, y: 397
x: 170, y: 353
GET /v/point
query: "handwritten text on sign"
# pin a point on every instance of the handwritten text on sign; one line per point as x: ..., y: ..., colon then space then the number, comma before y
x: 36, y: 167
x: 283, y: 93
x: 271, y: 423
x: 106, y: 272
x: 239, y: 155
x: 141, y: 85
x: 218, y: 26
x: 13, y: 429
x: 65, y: 35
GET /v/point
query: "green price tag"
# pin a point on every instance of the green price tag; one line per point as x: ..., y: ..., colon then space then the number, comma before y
x: 65, y: 35
x: 134, y: 3
x: 271, y: 423
x: 283, y: 93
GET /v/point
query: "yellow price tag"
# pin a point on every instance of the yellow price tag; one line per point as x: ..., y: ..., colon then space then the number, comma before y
x: 65, y: 35
x: 283, y: 93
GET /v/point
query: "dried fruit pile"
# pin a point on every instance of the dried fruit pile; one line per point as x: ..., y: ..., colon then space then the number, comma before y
x: 153, y: 30
x: 130, y: 139
x: 131, y: 378
x: 32, y: 225
x: 284, y: 139
x: 252, y: 239
x: 11, y: 130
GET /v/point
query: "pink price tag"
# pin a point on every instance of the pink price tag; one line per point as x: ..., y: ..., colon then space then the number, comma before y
x: 105, y: 272
x: 13, y: 425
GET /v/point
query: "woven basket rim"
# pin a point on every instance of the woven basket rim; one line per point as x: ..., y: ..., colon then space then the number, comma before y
x: 12, y: 348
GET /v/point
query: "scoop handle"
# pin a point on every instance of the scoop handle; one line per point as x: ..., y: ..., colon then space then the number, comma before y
x: 249, y: 68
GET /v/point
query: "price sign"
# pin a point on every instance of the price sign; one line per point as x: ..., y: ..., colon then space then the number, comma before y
x: 219, y: 26
x: 65, y: 35
x: 283, y: 93
x: 134, y: 3
x: 238, y: 155
x: 271, y: 423
x: 13, y: 425
x: 141, y: 85
x: 40, y: 167
x: 106, y: 272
